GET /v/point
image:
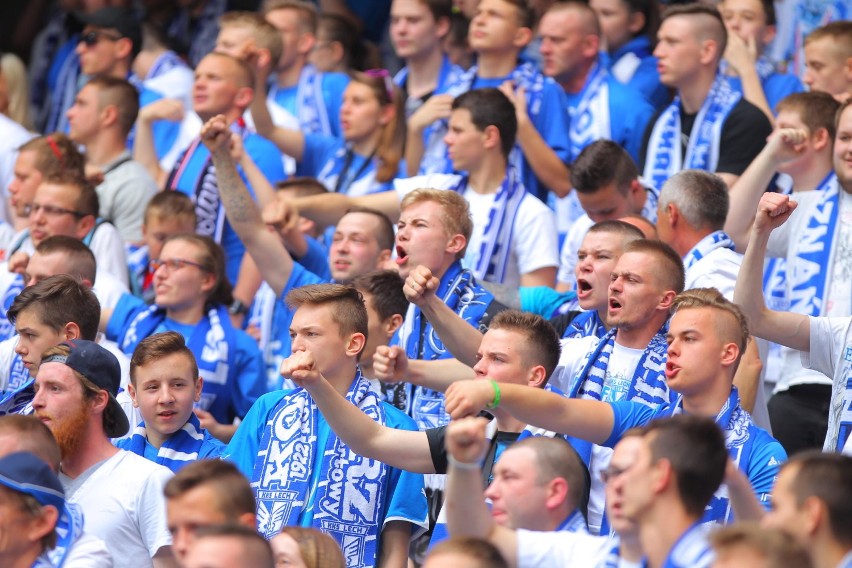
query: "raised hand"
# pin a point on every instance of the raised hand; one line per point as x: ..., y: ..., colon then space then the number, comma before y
x: 163, y: 109
x: 301, y: 367
x: 467, y: 398
x: 773, y: 211
x: 419, y: 285
x: 390, y: 363
x: 465, y: 439
x: 216, y: 135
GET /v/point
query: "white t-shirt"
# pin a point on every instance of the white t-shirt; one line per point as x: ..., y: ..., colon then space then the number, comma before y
x: 839, y: 301
x: 572, y: 355
x: 123, y: 503
x: 831, y: 353
x: 717, y: 269
x: 88, y: 552
x: 537, y: 549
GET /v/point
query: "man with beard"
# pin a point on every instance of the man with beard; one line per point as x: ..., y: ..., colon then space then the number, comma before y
x: 120, y: 493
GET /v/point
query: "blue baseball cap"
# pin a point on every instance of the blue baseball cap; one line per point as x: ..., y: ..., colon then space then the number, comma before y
x: 25, y: 473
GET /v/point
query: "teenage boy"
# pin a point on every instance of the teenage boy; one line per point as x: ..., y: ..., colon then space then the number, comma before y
x: 706, y: 336
x: 828, y: 57
x: 304, y: 474
x: 164, y: 386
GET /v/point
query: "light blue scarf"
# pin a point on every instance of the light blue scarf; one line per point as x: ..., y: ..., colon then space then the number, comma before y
x: 180, y: 449
x: 586, y: 324
x: 18, y: 401
x: 492, y: 258
x: 713, y: 241
x: 809, y: 277
x: 664, y: 158
x: 310, y: 104
x: 68, y: 529
x: 7, y: 330
x: 649, y: 382
x: 590, y: 118
x: 346, y: 496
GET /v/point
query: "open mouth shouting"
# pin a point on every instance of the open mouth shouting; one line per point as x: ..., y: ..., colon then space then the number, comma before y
x: 584, y: 288
x: 401, y: 255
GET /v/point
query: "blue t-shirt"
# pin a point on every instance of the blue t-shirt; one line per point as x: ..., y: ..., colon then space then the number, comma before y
x: 776, y: 86
x: 245, y: 381
x: 404, y: 497
x: 325, y: 158
x: 268, y: 159
x: 211, y: 448
x: 332, y: 86
x: 764, y: 454
x: 316, y: 259
x: 645, y: 79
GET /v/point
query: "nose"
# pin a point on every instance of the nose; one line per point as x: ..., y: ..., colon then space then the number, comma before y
x: 808, y: 78
x: 38, y: 399
x: 181, y: 540
x: 480, y: 368
x: 166, y: 396
x: 20, y: 349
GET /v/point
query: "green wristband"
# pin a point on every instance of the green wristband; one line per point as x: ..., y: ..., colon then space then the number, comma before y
x: 496, y: 402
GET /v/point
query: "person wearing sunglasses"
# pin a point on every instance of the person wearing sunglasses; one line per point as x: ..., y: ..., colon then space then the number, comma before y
x: 367, y: 158
x: 192, y: 295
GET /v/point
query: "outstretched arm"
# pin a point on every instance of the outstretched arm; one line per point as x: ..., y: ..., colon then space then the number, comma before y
x: 392, y: 365
x: 143, y: 144
x: 586, y: 419
x: 402, y: 449
x: 290, y: 142
x: 786, y: 328
x: 327, y: 209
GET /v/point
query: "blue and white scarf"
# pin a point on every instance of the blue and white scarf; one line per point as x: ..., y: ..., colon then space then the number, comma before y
x: 808, y: 278
x: 7, y: 330
x: 460, y: 292
x: 613, y: 556
x: 69, y: 528
x: 18, y: 401
x: 649, y: 382
x: 590, y: 118
x: 692, y: 550
x: 310, y: 104
x: 180, y: 449
x: 713, y: 241
x: 356, y: 181
x: 664, y: 158
x: 213, y: 342
x: 586, y: 324
x: 435, y: 158
x: 763, y: 66
x: 346, y: 495
x: 492, y: 258
x: 19, y: 375
x: 68, y: 82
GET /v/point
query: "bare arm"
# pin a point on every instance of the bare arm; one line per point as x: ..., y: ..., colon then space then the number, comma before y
x: 291, y: 142
x: 786, y: 328
x: 396, y: 536
x: 327, y: 209
x: 438, y: 107
x: 402, y: 449
x: 747, y: 378
x: 143, y: 144
x: 742, y: 56
x: 544, y: 276
x: 586, y: 419
x: 391, y: 364
x: 782, y: 145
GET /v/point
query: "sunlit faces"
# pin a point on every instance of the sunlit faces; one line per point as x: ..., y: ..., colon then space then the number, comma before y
x: 827, y: 69
x: 59, y: 403
x: 286, y: 552
x: 618, y: 23
x: 421, y: 238
x: 494, y: 27
x: 465, y: 142
x: 84, y: 119
x: 632, y: 485
x: 184, y: 287
x: 23, y: 187
x: 313, y: 329
x: 518, y: 498
x: 286, y: 21
x: 562, y: 44
x: 157, y: 230
x: 635, y: 294
x: 106, y: 52
x: 54, y: 212
x: 34, y: 338
x: 354, y: 247
x: 413, y: 29
x: 596, y: 259
x: 624, y: 456
x: 164, y: 391
x: 608, y: 203
x: 236, y: 41
x: 216, y: 88
x: 747, y: 19
x: 678, y: 51
x: 361, y: 113
x: 42, y: 266
x: 843, y: 150
x: 696, y: 351
x: 504, y: 357
x: 194, y: 509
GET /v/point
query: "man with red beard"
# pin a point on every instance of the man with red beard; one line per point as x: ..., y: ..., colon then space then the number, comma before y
x: 120, y: 493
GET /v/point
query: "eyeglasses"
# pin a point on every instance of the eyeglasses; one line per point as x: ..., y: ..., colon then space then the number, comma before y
x: 612, y: 472
x: 92, y: 38
x: 383, y: 74
x: 175, y: 264
x: 52, y: 210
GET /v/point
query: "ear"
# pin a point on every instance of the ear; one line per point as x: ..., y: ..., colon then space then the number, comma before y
x: 667, y: 300
x: 99, y: 402
x: 199, y: 386
x: 768, y: 35
x: 247, y: 520
x: 383, y: 260
x: 537, y: 377
x: 392, y: 324
x: 673, y: 214
x: 264, y: 57
x: 306, y: 43
x: 709, y: 53
x: 42, y: 524
x: 635, y: 22
x: 813, y: 515
x: 71, y: 330
x: 442, y: 28
x: 557, y: 493
x: 730, y: 353
x: 109, y: 115
x: 491, y: 137
x: 336, y: 50
x: 848, y: 67
x: 821, y: 139
x: 456, y: 244
x: 208, y: 283
x: 123, y: 47
x: 355, y: 344
x: 523, y: 36
x: 387, y: 115
x: 85, y: 225
x: 662, y: 476
x: 306, y: 226
x: 637, y: 194
x: 244, y: 97
x: 131, y: 390
x: 591, y: 45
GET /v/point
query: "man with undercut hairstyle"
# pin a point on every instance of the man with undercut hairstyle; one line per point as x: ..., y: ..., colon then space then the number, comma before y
x: 206, y: 493
x: 607, y: 186
x: 100, y: 120
x: 709, y: 126
x: 812, y: 502
x: 706, y: 337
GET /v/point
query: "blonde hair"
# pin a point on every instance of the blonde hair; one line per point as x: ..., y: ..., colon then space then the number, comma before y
x: 265, y: 35
x: 15, y: 74
x: 455, y: 214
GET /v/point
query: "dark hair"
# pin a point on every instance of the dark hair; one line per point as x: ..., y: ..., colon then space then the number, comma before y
x: 385, y: 289
x: 212, y: 258
x: 345, y: 30
x: 695, y: 448
x: 601, y: 163
x: 650, y: 9
x: 234, y: 495
x: 87, y: 202
x: 828, y: 477
x: 616, y: 227
x: 155, y: 347
x: 668, y: 266
x: 719, y: 33
x: 440, y: 9
x: 526, y: 15
x: 307, y: 12
x: 479, y: 553
x: 345, y: 302
x: 301, y: 186
x: 79, y: 259
x: 816, y: 109
x: 385, y: 235
x: 113, y: 91
x: 839, y: 114
x: 57, y: 301
x: 555, y: 457
x: 170, y: 204
x: 540, y: 336
x: 55, y: 153
x: 490, y: 107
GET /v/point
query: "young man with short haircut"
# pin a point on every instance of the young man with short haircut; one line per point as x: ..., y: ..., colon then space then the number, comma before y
x: 164, y: 386
x: 304, y: 474
x: 828, y: 59
x: 229, y: 546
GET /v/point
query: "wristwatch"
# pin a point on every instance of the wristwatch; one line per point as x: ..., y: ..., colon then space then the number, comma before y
x: 238, y: 308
